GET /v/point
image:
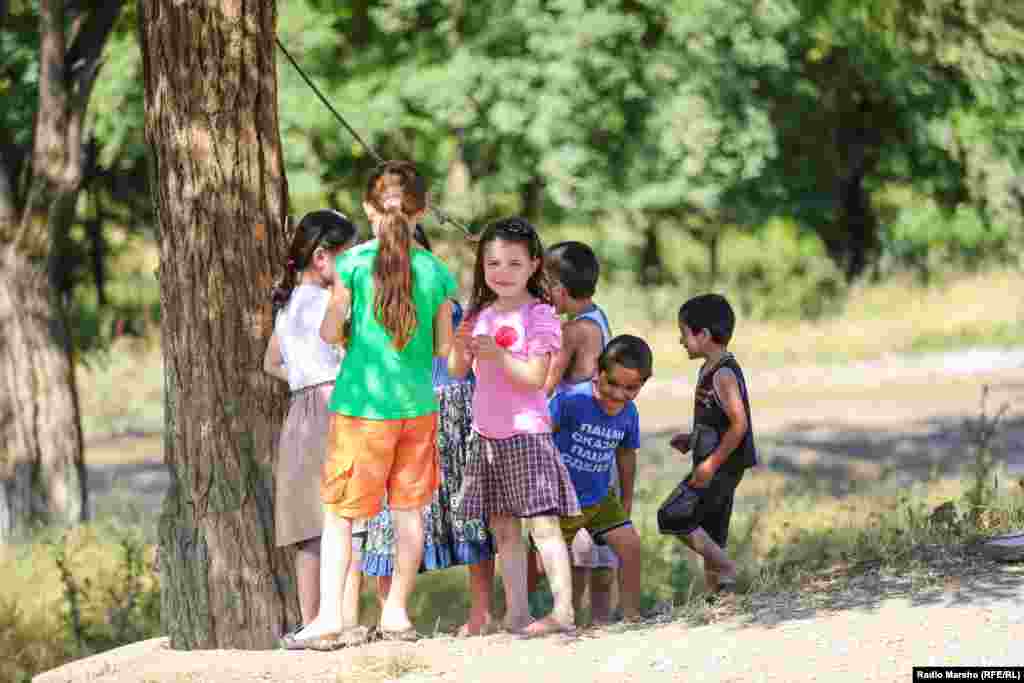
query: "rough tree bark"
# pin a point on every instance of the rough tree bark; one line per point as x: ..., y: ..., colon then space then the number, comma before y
x: 42, y: 470
x: 220, y: 196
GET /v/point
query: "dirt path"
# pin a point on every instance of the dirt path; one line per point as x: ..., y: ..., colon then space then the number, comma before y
x: 893, y: 420
x: 898, y: 419
x: 875, y: 629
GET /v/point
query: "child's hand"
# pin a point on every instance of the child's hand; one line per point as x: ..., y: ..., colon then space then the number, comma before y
x: 680, y: 442
x: 485, y: 347
x: 463, y: 337
x: 705, y: 397
x: 702, y: 474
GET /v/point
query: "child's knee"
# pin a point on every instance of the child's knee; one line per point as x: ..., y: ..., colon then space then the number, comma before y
x: 545, y: 529
x: 625, y: 541
x: 506, y: 530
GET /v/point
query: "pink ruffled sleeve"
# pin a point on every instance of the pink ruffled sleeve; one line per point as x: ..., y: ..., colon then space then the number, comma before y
x: 543, y: 330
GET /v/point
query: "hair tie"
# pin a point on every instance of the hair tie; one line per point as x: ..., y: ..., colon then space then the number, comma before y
x: 291, y: 264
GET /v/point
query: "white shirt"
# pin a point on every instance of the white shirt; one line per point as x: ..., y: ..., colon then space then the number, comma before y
x: 307, y: 358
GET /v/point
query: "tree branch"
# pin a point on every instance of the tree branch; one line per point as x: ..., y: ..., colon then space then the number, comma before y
x: 83, y: 57
x: 8, y: 200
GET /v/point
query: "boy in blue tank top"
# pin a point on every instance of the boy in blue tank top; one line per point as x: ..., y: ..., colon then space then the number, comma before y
x: 573, y: 271
x: 597, y: 432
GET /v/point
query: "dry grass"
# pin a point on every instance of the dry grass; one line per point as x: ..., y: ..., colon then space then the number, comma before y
x: 390, y: 667
x: 898, y: 316
x: 122, y: 390
x: 35, y: 634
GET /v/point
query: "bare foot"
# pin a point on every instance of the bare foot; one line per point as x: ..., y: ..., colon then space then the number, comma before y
x: 548, y: 626
x: 517, y: 626
x: 478, y: 625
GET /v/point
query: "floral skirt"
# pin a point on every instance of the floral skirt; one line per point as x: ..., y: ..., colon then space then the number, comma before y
x: 448, y: 540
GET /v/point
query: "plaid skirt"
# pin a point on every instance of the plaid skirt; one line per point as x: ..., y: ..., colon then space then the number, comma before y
x: 522, y: 476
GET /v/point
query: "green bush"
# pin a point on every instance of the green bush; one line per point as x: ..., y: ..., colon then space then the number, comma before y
x: 69, y: 594
x: 780, y: 273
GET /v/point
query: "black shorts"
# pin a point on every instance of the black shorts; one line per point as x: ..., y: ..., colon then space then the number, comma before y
x: 714, y: 509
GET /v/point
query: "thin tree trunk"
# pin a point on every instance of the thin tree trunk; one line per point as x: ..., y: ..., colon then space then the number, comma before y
x: 220, y: 196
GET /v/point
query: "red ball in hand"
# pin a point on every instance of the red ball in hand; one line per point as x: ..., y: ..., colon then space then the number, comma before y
x: 506, y: 336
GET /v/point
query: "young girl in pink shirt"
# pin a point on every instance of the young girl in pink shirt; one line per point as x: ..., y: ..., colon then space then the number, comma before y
x: 508, y: 339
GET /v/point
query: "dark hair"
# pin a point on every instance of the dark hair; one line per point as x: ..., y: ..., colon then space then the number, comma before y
x: 325, y: 228
x: 420, y: 235
x: 393, y: 303
x: 575, y: 266
x: 512, y: 229
x: 710, y: 312
x: 629, y: 352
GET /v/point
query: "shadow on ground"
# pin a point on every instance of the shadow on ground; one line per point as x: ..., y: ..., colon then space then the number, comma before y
x: 839, y: 458
x: 979, y: 583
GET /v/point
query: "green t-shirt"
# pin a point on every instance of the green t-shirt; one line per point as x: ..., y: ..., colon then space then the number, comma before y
x: 376, y: 381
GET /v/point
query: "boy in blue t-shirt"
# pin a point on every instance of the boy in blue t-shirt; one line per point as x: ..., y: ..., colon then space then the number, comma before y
x: 595, y: 428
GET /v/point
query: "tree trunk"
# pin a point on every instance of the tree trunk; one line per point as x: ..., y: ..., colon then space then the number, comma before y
x: 42, y: 472
x: 859, y: 225
x: 652, y: 268
x: 220, y: 196
x: 42, y: 469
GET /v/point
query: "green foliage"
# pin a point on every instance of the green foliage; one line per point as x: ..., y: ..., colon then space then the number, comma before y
x: 780, y: 273
x: 885, y: 133
x: 71, y: 594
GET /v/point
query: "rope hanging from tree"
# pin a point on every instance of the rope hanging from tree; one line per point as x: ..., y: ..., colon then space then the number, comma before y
x: 442, y: 216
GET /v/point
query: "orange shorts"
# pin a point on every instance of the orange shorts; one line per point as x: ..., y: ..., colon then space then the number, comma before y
x: 368, y: 458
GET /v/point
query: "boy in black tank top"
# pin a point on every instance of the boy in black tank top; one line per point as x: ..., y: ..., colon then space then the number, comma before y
x: 722, y: 437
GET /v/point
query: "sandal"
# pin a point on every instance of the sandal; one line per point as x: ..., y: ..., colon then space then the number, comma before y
x: 546, y: 627
x: 288, y: 642
x: 409, y: 635
x: 325, y: 643
x: 349, y: 637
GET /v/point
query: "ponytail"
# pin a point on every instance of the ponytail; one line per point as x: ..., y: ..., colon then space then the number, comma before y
x: 392, y: 300
x: 325, y: 228
x: 393, y: 303
x: 282, y: 291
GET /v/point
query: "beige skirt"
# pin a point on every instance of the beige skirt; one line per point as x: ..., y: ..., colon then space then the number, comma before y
x: 298, y: 512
